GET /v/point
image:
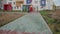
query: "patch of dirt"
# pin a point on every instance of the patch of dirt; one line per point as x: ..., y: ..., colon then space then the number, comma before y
x: 5, y: 18
x: 54, y: 14
x: 55, y: 27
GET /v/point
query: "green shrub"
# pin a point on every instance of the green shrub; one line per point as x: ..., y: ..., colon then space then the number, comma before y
x: 45, y: 15
x: 49, y: 20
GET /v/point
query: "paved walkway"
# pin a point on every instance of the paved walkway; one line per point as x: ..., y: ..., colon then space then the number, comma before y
x: 32, y: 22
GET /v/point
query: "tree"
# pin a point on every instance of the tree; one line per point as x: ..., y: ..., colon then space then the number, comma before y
x: 54, y: 6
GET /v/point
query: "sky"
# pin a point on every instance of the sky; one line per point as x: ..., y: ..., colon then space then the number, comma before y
x: 57, y: 2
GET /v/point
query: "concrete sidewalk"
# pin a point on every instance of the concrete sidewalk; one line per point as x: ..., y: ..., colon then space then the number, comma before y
x: 32, y: 22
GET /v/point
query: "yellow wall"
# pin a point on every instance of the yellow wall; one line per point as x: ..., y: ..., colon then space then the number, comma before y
x: 19, y: 2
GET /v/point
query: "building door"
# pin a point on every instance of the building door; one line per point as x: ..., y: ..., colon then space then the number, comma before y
x: 25, y: 8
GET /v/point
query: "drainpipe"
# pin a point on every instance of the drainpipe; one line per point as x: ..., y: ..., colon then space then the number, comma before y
x: 21, y: 8
x: 37, y: 8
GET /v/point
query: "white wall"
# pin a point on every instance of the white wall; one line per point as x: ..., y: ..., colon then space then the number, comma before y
x: 49, y: 5
x: 36, y: 4
x: 3, y: 2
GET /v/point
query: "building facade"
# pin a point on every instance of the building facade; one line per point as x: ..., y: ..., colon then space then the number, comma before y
x: 23, y: 4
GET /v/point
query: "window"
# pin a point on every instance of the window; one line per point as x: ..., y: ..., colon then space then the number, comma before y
x: 14, y: 7
x: 36, y: 2
x: 9, y: 2
x: 17, y: 7
x: 13, y: 2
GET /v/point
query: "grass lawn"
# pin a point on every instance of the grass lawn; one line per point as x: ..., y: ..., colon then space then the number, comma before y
x: 53, y: 23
